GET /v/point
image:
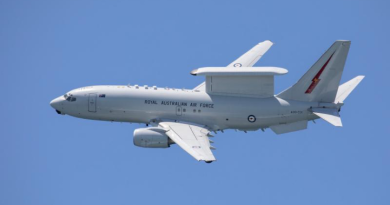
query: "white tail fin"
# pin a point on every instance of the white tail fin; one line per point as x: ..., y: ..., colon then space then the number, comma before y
x: 321, y: 81
x: 346, y: 88
x: 328, y: 114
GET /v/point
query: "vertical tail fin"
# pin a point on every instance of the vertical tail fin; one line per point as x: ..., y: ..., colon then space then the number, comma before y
x: 321, y: 81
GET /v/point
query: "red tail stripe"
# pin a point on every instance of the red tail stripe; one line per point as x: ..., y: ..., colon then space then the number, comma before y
x: 316, y: 78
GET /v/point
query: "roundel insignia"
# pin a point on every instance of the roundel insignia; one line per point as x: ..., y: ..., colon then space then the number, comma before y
x: 251, y: 118
x: 237, y: 65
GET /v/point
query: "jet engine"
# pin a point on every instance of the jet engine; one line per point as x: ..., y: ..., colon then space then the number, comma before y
x: 153, y: 137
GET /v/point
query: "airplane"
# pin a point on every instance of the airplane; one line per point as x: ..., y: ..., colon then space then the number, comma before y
x: 238, y: 96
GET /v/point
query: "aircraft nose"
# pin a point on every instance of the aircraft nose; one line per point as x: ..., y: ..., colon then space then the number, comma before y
x: 56, y: 104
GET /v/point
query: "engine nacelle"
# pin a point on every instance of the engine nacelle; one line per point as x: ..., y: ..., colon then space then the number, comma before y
x: 152, y: 137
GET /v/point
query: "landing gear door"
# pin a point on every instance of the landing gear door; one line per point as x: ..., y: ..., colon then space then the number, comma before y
x: 92, y: 102
x: 179, y: 110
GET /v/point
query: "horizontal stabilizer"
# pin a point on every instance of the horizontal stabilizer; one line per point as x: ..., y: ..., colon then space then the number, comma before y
x: 328, y: 114
x: 346, y: 88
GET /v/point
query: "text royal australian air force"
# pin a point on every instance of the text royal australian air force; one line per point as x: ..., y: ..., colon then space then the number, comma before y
x: 178, y: 103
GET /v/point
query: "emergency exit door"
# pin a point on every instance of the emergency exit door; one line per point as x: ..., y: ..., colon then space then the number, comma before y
x: 92, y: 102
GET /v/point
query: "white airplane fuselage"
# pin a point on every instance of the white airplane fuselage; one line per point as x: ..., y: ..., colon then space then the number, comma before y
x: 150, y: 104
x: 238, y: 96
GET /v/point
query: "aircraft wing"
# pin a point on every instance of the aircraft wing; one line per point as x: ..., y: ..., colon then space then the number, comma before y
x: 192, y: 138
x: 248, y: 59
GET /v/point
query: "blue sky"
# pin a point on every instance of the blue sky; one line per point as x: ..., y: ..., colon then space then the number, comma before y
x: 50, y: 47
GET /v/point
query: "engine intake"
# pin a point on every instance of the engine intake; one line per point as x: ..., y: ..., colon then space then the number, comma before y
x: 151, y: 138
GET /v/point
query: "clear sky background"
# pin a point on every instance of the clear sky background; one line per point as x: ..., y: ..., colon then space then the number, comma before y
x: 50, y: 47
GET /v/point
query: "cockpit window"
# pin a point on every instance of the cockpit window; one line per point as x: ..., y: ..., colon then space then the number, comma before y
x: 69, y: 97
